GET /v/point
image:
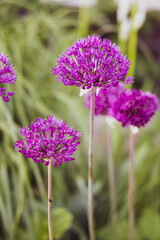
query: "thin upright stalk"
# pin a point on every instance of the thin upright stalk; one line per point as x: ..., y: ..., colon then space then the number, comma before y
x: 111, y: 179
x: 83, y: 22
x: 132, y: 43
x: 122, y: 42
x: 131, y: 187
x: 132, y: 50
x: 90, y: 169
x: 50, y: 201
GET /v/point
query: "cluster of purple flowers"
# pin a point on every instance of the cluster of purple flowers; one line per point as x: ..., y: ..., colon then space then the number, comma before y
x: 131, y: 107
x: 91, y: 62
x: 7, y: 75
x: 104, y: 99
x: 48, y: 140
x: 135, y: 108
x: 87, y: 63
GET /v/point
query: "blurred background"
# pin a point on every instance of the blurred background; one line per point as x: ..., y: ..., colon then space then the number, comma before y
x: 33, y: 34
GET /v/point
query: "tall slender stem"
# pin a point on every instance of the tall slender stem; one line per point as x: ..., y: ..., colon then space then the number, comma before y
x: 122, y: 42
x: 50, y: 201
x: 133, y: 39
x: 83, y: 22
x: 131, y: 187
x: 111, y: 179
x: 132, y: 50
x: 90, y: 169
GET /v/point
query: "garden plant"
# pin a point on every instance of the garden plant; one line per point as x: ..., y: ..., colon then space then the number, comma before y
x: 108, y: 53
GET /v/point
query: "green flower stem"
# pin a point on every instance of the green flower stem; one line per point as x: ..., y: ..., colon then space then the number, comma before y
x: 111, y: 179
x: 122, y: 42
x: 83, y: 22
x: 50, y: 201
x: 131, y: 187
x: 90, y: 169
x: 132, y: 50
x: 132, y: 44
x: 123, y: 45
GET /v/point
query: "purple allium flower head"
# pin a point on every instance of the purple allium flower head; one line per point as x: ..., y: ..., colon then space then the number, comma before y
x: 135, y: 108
x: 105, y: 99
x: 91, y: 62
x: 7, y: 75
x: 48, y: 140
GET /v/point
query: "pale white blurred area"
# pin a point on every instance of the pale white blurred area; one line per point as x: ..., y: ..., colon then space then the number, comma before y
x: 125, y: 28
x: 74, y: 3
x: 123, y: 8
x: 143, y: 6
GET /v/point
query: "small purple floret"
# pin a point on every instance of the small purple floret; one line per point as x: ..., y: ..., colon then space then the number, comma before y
x: 129, y: 80
x: 7, y: 75
x: 48, y: 140
x: 104, y: 99
x: 135, y: 107
x: 91, y: 62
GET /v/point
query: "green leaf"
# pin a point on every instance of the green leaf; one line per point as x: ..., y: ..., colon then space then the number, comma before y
x: 62, y: 221
x: 149, y: 224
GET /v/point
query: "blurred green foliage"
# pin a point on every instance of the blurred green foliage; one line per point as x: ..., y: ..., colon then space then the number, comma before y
x: 33, y: 34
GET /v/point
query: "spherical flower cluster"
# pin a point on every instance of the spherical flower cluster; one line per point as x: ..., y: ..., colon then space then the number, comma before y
x: 7, y: 75
x: 91, y: 62
x: 104, y: 99
x: 48, y: 140
x: 135, y: 108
